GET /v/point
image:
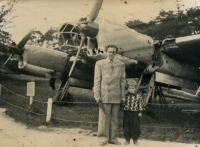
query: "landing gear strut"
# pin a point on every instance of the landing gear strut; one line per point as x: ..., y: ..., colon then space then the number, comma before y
x: 161, y: 96
x: 63, y: 95
x: 153, y: 89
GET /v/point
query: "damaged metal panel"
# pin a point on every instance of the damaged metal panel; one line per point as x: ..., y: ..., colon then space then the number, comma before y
x: 175, y: 81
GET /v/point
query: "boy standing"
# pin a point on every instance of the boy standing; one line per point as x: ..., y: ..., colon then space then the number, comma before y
x: 132, y: 106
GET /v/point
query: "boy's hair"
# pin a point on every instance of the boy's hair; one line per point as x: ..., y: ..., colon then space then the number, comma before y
x: 111, y: 46
x: 131, y: 86
x: 131, y: 82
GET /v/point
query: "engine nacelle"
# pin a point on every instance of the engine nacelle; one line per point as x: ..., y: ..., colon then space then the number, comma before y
x: 37, y: 60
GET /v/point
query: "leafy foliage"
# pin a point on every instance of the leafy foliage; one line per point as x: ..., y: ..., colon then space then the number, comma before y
x: 49, y: 33
x: 4, y: 24
x: 5, y: 20
x: 170, y: 24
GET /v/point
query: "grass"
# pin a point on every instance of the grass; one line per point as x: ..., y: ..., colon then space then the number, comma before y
x: 167, y: 124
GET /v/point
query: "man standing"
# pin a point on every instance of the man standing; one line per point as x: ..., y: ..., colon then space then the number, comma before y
x: 109, y: 86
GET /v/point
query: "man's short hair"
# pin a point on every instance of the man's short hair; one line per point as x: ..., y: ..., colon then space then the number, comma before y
x: 111, y: 46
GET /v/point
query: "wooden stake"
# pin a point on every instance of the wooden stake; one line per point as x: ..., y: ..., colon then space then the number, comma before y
x: 49, y: 109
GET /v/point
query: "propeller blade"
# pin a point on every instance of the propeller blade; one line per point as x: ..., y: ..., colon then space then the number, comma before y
x: 77, y: 54
x: 16, y: 50
x: 95, y: 10
x: 8, y: 59
x: 25, y: 39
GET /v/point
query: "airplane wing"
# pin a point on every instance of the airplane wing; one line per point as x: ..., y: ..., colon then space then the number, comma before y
x: 184, y: 49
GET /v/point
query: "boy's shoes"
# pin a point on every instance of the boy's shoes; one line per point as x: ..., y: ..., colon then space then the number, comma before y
x: 127, y: 142
x: 135, y: 142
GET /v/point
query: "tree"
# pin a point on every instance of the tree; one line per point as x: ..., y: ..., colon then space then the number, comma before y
x: 138, y: 25
x: 193, y: 15
x: 49, y: 33
x: 5, y: 36
x: 4, y: 21
x: 170, y: 24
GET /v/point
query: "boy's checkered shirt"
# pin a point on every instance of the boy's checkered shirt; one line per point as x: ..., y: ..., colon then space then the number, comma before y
x: 132, y: 102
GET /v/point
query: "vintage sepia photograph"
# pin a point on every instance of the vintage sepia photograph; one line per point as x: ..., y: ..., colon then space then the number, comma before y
x: 91, y: 73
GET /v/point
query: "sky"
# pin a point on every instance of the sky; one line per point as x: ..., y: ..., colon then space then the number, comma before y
x: 43, y: 14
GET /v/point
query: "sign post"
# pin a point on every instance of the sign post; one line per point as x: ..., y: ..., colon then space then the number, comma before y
x: 30, y: 91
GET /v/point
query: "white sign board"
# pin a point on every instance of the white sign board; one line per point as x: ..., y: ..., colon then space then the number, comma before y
x: 30, y: 89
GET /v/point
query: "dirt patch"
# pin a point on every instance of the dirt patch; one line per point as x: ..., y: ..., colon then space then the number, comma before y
x: 18, y: 135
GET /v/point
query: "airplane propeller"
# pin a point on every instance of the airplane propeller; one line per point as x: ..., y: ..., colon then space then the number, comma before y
x: 87, y: 28
x: 95, y: 10
x: 25, y: 39
x: 18, y: 49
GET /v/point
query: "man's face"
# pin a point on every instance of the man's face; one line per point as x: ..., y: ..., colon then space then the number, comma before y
x: 111, y: 53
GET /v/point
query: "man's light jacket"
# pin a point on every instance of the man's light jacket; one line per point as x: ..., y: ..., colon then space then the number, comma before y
x: 109, y: 85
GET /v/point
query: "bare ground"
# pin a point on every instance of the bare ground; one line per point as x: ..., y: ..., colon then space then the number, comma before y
x: 13, y: 134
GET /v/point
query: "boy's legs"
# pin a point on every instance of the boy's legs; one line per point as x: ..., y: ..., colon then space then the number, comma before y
x: 126, y: 126
x: 135, y: 125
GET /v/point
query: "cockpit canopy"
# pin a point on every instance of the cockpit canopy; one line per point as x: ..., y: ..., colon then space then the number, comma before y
x: 70, y: 34
x: 72, y: 39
